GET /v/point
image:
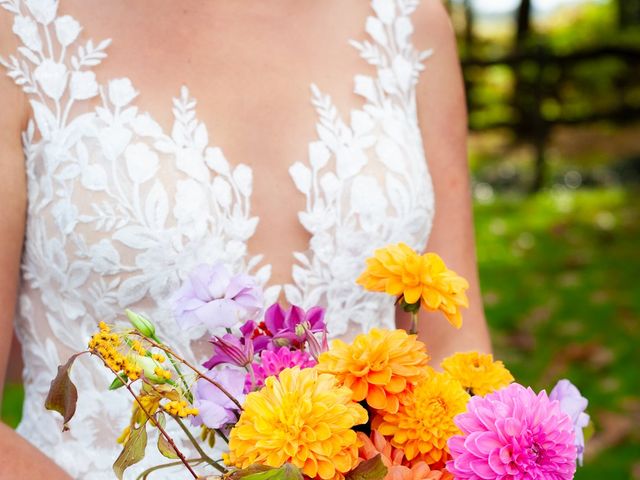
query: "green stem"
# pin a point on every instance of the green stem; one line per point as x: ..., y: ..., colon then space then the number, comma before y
x: 414, y: 323
x: 151, y: 418
x: 148, y: 471
x: 187, y: 390
x: 198, y: 448
x: 224, y: 437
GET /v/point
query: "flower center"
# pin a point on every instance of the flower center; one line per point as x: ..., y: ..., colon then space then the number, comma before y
x: 538, y: 452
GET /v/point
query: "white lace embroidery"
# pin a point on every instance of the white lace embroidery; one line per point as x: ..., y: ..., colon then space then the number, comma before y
x: 105, y: 231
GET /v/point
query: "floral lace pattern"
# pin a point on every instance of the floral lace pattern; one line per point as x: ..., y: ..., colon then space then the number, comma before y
x: 106, y: 231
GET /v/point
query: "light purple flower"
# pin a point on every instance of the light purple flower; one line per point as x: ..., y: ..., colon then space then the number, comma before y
x: 232, y: 349
x: 273, y: 362
x: 215, y: 408
x: 573, y: 404
x: 213, y: 297
x: 288, y: 327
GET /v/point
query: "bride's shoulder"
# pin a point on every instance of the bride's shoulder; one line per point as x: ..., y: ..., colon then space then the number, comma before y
x: 432, y: 25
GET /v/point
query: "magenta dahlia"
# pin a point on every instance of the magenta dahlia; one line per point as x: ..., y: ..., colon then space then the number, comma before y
x: 513, y: 434
x: 274, y: 362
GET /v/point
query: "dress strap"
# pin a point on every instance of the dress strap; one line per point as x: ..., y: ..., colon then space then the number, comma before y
x: 391, y: 51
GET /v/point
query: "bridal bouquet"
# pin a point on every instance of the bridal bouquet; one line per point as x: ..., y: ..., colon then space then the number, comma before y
x: 281, y: 404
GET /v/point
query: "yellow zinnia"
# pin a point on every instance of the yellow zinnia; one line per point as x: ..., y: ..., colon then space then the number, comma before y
x: 378, y: 366
x: 302, y: 417
x: 418, y: 279
x: 424, y: 421
x: 478, y: 373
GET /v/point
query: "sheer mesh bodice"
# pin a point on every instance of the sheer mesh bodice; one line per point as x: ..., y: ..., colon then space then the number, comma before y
x: 120, y: 209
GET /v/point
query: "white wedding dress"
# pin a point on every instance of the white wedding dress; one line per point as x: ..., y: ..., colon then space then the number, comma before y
x: 121, y: 210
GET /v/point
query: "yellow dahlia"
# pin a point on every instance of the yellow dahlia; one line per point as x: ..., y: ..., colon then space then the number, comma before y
x: 424, y: 421
x: 478, y: 373
x: 379, y: 366
x: 418, y: 279
x: 302, y: 417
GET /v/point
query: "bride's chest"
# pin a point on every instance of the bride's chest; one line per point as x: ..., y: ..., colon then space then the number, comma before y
x: 129, y: 190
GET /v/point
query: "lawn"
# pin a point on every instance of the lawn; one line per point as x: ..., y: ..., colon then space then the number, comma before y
x: 560, y: 277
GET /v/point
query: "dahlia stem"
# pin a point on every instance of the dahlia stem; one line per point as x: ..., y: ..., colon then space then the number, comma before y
x: 414, y: 323
x: 198, y: 448
x: 144, y: 475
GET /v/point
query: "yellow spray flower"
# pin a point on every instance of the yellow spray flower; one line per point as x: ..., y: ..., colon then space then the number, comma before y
x: 128, y: 357
x: 418, y: 279
x: 378, y: 366
x: 180, y: 408
x: 148, y: 402
x: 424, y: 421
x: 478, y: 373
x: 303, y: 417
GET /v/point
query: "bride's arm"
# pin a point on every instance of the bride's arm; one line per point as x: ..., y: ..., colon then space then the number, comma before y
x: 18, y: 458
x: 443, y: 120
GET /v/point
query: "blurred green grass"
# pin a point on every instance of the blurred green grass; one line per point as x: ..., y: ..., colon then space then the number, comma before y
x: 559, y: 272
x: 560, y: 278
x: 12, y: 404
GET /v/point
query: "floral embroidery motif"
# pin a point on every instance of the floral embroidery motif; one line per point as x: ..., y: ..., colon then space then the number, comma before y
x: 105, y: 231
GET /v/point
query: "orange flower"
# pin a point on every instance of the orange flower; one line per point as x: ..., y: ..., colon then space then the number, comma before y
x: 392, y: 458
x: 424, y: 422
x: 478, y: 373
x: 418, y: 279
x: 379, y: 366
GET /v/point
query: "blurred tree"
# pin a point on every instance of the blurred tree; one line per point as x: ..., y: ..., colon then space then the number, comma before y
x: 628, y: 13
x: 528, y: 94
x: 469, y: 28
x: 523, y: 23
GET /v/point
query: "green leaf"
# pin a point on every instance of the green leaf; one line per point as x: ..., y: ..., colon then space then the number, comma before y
x: 133, y: 450
x: 262, y: 472
x: 372, y: 469
x: 63, y: 394
x: 116, y: 384
x: 164, y: 447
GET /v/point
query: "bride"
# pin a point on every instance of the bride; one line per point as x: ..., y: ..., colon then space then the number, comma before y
x: 285, y: 138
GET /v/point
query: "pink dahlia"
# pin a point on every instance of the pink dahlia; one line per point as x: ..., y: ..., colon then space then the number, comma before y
x: 513, y: 434
x: 274, y: 362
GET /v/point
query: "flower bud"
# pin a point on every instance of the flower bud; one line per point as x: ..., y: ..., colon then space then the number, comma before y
x: 149, y: 366
x: 143, y: 325
x: 301, y: 329
x: 281, y: 342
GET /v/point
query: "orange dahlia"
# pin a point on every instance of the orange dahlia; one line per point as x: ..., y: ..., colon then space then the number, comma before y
x: 478, y: 373
x: 392, y: 458
x: 302, y: 417
x: 379, y: 366
x: 424, y: 422
x: 419, y: 280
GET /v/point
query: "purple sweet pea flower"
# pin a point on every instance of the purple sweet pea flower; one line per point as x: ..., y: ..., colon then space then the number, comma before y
x: 216, y: 409
x: 213, y: 297
x: 288, y: 328
x: 573, y: 404
x: 232, y: 349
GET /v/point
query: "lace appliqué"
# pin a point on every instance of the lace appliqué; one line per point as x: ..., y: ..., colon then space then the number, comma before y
x: 106, y: 231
